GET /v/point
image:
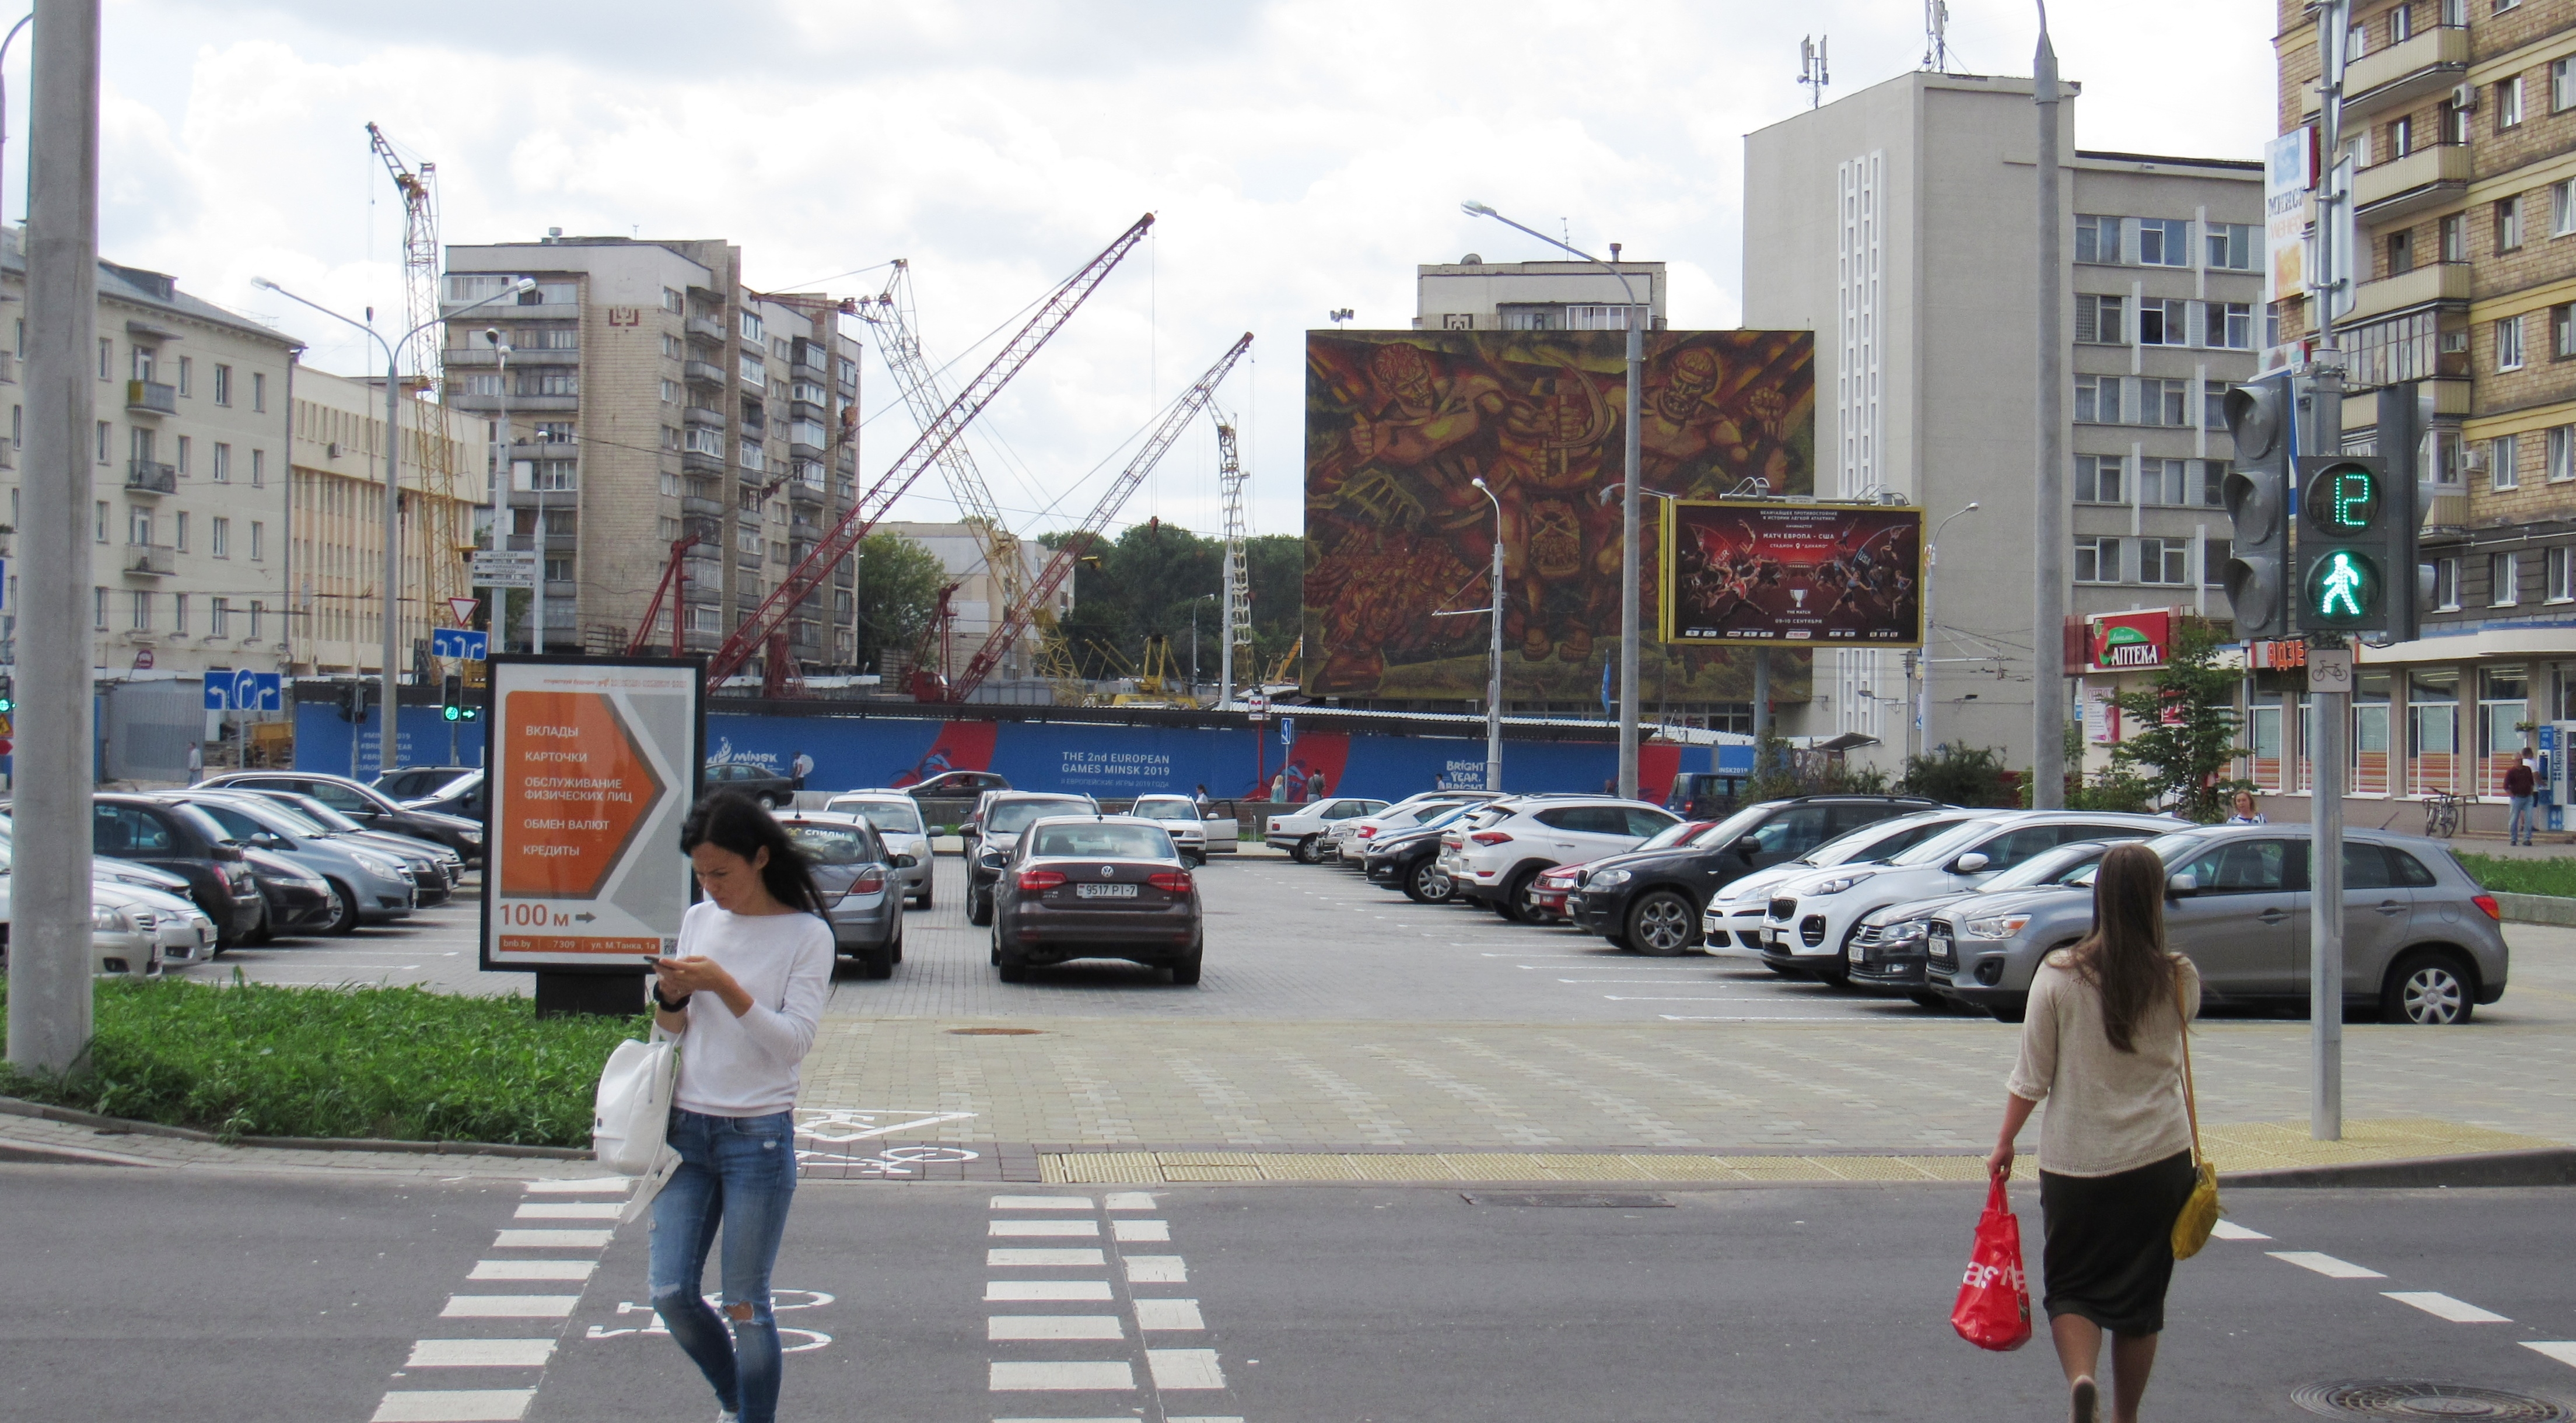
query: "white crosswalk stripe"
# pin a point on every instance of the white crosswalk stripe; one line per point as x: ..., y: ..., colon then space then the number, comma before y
x: 1007, y: 1258
x: 479, y: 1353
x: 1054, y: 1326
x: 996, y: 1291
x: 533, y: 1269
x: 1028, y: 1229
x: 2326, y: 1265
x: 454, y: 1405
x: 1106, y: 1375
x: 509, y: 1306
x: 1167, y: 1370
x: 2442, y: 1306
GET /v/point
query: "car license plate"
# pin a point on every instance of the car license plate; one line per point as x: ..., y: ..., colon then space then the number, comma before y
x: 1104, y: 891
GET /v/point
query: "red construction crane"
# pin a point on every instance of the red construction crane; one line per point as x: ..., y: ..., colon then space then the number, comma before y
x: 674, y: 579
x: 1016, y: 620
x: 807, y: 576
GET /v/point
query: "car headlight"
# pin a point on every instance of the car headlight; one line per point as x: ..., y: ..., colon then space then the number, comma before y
x: 471, y: 837
x: 1607, y: 879
x: 1838, y: 884
x: 108, y: 919
x: 381, y: 869
x: 1994, y: 926
x: 142, y: 918
x: 1909, y: 932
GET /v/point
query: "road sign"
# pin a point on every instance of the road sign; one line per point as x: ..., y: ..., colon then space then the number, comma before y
x: 1258, y: 704
x: 143, y: 659
x: 505, y: 570
x: 2329, y: 669
x: 228, y: 690
x: 464, y: 608
x: 459, y: 643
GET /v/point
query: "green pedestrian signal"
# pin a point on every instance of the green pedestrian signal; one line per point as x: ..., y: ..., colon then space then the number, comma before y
x: 2343, y: 543
x: 451, y: 696
x: 2343, y: 588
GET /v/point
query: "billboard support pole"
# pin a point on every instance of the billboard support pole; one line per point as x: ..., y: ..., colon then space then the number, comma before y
x: 2048, y: 650
x: 1630, y: 566
x: 1494, y: 671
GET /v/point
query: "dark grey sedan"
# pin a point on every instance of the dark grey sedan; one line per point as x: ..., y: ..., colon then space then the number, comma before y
x: 1096, y: 887
x: 861, y: 884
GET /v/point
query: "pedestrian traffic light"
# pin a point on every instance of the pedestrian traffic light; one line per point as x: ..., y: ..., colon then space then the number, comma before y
x: 353, y: 702
x: 2343, y: 543
x: 451, y: 697
x: 8, y: 695
x: 2257, y: 495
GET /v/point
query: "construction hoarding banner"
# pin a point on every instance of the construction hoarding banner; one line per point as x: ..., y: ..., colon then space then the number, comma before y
x: 1768, y: 574
x: 1400, y: 423
x: 593, y: 764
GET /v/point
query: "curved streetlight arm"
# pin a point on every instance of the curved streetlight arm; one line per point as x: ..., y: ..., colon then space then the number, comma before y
x: 4, y: 94
x: 1476, y: 209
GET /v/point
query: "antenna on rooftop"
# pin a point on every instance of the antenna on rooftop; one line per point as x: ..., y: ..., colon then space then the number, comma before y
x: 1936, y: 36
x: 1811, y: 68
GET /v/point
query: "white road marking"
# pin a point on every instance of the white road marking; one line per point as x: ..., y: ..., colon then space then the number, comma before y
x: 1130, y: 1201
x: 2230, y: 1230
x: 2442, y: 1306
x: 1142, y: 1231
x: 1108, y: 1374
x: 1157, y: 1270
x: 1087, y: 1229
x: 568, y: 1210
x: 479, y: 1353
x: 1004, y: 1258
x: 1054, y: 1326
x: 1827, y: 1017
x: 997, y: 1291
x: 2563, y: 1350
x: 509, y: 1307
x: 463, y: 1405
x: 2326, y: 1265
x: 533, y: 1269
x: 587, y: 1186
x: 1184, y: 1368
x: 1042, y: 1203
x: 553, y: 1239
x: 1174, y: 1314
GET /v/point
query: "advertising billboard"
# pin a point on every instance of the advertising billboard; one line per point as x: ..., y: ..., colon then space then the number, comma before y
x: 1400, y: 425
x: 2128, y: 642
x: 1765, y: 575
x: 594, y: 762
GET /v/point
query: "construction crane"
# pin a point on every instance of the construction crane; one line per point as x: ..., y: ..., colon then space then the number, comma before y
x: 1237, y: 631
x: 673, y: 585
x: 446, y: 540
x: 1059, y: 567
x: 873, y: 506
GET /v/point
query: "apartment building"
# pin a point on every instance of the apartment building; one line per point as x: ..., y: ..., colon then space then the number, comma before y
x: 189, y: 514
x: 1898, y: 223
x: 1472, y: 294
x: 652, y: 397
x: 338, y: 520
x: 2459, y: 118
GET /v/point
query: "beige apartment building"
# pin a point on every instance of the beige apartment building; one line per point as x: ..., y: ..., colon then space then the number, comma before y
x: 2459, y: 117
x: 651, y: 396
x: 338, y: 543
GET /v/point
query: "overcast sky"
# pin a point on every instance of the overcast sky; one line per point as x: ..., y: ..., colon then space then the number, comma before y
x: 1300, y: 156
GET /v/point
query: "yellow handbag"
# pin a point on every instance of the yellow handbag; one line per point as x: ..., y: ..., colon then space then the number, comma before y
x: 2201, y: 1210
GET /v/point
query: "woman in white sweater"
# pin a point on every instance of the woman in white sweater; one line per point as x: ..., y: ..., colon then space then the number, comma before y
x: 744, y: 994
x: 2102, y: 1045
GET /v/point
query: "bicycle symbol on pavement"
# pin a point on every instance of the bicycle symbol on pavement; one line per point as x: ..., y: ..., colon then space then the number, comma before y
x: 791, y: 1341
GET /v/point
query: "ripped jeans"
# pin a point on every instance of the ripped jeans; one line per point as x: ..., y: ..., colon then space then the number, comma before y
x: 740, y: 1172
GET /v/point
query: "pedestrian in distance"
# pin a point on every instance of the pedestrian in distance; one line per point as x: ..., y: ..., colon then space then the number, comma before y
x: 799, y: 769
x: 1315, y: 786
x: 1279, y: 788
x: 2102, y: 1044
x: 1203, y: 800
x: 744, y: 994
x: 196, y: 763
x: 2519, y: 788
x: 2241, y: 810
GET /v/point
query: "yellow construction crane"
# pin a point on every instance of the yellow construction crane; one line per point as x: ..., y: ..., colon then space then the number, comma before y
x: 446, y: 530
x: 1279, y: 669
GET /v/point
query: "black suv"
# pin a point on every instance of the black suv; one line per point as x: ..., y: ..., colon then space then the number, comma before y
x: 189, y: 843
x: 1005, y: 815
x: 1651, y: 900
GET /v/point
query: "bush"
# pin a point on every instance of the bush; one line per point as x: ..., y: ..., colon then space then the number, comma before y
x: 2554, y: 877
x: 1961, y: 775
x: 399, y: 1064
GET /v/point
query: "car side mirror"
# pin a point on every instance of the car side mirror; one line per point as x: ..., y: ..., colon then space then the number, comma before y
x: 905, y: 862
x: 2180, y: 886
x: 1969, y: 863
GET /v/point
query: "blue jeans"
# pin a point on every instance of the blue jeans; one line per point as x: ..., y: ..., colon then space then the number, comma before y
x: 740, y: 1171
x: 2518, y: 830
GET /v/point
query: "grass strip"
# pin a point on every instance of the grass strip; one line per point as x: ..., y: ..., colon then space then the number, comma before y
x: 2554, y: 876
x: 401, y: 1064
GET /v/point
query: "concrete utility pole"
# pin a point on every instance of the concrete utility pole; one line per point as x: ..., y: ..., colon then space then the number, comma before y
x: 1923, y: 663
x: 49, y: 941
x: 1494, y: 657
x: 2331, y: 718
x: 2048, y: 646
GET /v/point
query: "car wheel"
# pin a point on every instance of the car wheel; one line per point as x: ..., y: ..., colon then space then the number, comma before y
x: 1663, y: 923
x: 1194, y: 862
x: 2428, y: 987
x: 1516, y: 903
x: 879, y: 964
x: 1309, y: 851
x: 1927, y: 999
x: 2008, y: 1012
x: 263, y: 932
x: 898, y: 945
x: 1011, y: 970
x: 344, y: 909
x: 929, y: 886
x: 1425, y: 884
x: 979, y: 908
x: 1185, y: 972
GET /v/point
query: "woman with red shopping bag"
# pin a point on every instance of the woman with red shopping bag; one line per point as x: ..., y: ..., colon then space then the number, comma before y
x: 2102, y: 1044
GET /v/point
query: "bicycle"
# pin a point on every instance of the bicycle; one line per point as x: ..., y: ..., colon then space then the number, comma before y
x: 2441, y: 815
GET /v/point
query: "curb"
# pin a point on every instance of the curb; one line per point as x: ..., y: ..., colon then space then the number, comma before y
x: 2543, y: 1166
x: 2538, y: 909
x: 19, y: 1107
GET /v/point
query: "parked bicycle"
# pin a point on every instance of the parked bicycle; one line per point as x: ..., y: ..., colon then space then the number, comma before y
x: 2441, y: 815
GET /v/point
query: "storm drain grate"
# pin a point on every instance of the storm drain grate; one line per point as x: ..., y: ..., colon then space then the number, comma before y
x: 1611, y: 1200
x: 995, y: 1032
x: 2413, y: 1399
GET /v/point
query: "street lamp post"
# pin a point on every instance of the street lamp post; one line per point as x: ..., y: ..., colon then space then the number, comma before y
x: 1494, y: 671
x: 4, y: 105
x: 509, y: 467
x: 1923, y: 682
x: 385, y: 727
x: 1628, y: 561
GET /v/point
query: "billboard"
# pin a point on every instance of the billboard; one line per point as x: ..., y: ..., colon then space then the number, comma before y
x: 2129, y: 642
x: 1767, y: 574
x: 1399, y: 425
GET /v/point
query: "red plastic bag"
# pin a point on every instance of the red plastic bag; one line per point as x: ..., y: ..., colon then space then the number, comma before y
x: 1993, y: 1311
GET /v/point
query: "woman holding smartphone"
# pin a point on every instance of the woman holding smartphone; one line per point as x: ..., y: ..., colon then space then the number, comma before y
x: 744, y: 995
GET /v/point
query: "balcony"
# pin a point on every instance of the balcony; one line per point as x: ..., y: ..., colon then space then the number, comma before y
x: 798, y: 491
x: 153, y: 560
x: 2436, y: 281
x: 2425, y: 178
x: 703, y: 372
x: 151, y: 397
x: 701, y: 415
x: 461, y: 356
x: 147, y: 477
x: 519, y: 404
x: 506, y: 310
x: 701, y: 462
x: 704, y: 328
x: 693, y: 507
x: 2404, y: 73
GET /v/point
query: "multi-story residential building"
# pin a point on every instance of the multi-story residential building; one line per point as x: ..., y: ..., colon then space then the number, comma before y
x: 338, y: 515
x: 190, y: 515
x: 2459, y: 117
x: 1472, y: 294
x: 1898, y: 223
x: 652, y: 397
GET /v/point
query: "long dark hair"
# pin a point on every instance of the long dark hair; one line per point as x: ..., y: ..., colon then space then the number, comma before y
x: 2124, y: 958
x: 730, y: 820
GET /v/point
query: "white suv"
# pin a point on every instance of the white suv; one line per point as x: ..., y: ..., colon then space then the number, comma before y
x: 1810, y: 920
x: 1495, y: 853
x: 1301, y: 831
x: 1349, y: 838
x: 1734, y: 915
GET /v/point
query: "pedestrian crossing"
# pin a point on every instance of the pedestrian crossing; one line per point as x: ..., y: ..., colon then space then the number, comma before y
x: 1158, y: 1370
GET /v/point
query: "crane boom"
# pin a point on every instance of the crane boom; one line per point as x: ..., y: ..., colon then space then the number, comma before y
x: 446, y: 536
x: 1058, y: 567
x: 1238, y: 577
x: 872, y: 506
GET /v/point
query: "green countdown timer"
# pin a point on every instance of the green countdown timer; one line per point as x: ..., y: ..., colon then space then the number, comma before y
x: 2342, y: 589
x: 2344, y: 499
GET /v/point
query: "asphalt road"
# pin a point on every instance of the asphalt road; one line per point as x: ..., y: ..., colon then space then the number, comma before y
x: 225, y: 1298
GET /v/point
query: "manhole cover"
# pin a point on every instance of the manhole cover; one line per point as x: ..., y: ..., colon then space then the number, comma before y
x: 1608, y: 1199
x: 2411, y: 1399
x: 995, y: 1032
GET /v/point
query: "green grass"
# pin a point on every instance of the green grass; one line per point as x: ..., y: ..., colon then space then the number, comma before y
x: 2557, y: 877
x: 391, y: 1063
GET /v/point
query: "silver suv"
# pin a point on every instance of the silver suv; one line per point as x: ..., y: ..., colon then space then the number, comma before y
x: 2421, y: 939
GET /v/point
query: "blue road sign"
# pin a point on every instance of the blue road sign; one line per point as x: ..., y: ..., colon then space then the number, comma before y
x: 462, y: 643
x: 219, y: 689
x: 227, y: 690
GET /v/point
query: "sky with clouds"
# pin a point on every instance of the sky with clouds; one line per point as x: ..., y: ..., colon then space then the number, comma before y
x: 1301, y: 156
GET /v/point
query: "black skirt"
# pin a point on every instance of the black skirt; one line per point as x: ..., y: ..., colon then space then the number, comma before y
x: 2109, y: 1250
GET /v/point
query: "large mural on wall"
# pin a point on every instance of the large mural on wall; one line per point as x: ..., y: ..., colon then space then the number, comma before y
x: 1399, y: 425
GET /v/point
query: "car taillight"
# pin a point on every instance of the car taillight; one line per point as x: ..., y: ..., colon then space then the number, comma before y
x: 870, y: 881
x: 1170, y: 881
x: 1040, y: 879
x: 2487, y: 902
x: 1367, y: 830
x: 1490, y: 837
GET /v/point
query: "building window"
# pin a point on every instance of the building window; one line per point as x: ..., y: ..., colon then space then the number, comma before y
x: 2097, y: 560
x: 2097, y: 319
x: 187, y: 376
x: 2562, y: 575
x: 550, y: 338
x: 553, y: 476
x: 2562, y: 332
x: 106, y: 357
x: 2455, y: 237
x: 179, y: 613
x: 552, y: 382
x: 2097, y: 399
x: 223, y: 385
x: 751, y: 328
x: 2446, y: 584
x: 671, y: 348
x: 2508, y: 101
x: 2167, y: 482
x: 670, y: 490
x: 673, y: 303
x: 218, y: 617
x: 2097, y: 239
x: 259, y: 469
x: 701, y: 440
x: 671, y: 437
x: 2504, y: 462
x: 670, y: 392
x: 483, y: 383
x: 138, y: 524
x: 2401, y: 24
x: 755, y: 371
x: 2508, y: 223
x: 2164, y: 242
x: 98, y: 520
x: 2163, y: 323
x: 2401, y: 252
x: 258, y: 390
x: 2562, y: 453
x: 2562, y: 208
x: 2164, y: 560
x: 2231, y: 245
x: 258, y: 540
x: 2097, y: 479
x: 555, y: 432
x: 103, y: 429
x: 184, y: 445
x: 98, y: 609
x: 2214, y: 554
x: 2164, y: 402
x: 223, y: 463
x: 2562, y: 84
x: 219, y: 538
x: 2228, y: 325
x: 558, y: 568
x: 179, y: 531
x: 141, y: 621
x: 2504, y: 701
x: 2508, y: 344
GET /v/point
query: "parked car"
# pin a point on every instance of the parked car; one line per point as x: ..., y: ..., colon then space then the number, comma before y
x: 1808, y: 926
x: 1349, y: 838
x: 180, y: 932
x: 949, y: 797
x: 294, y: 899
x: 1891, y: 951
x: 1706, y: 795
x: 1179, y: 817
x: 750, y: 778
x: 360, y: 883
x: 1096, y: 886
x: 2422, y: 941
x: 463, y: 798
x: 1735, y: 914
x: 186, y: 842
x: 1554, y: 892
x: 1496, y: 853
x: 996, y: 827
x: 370, y: 808
x: 1301, y: 831
x: 1409, y: 860
x: 404, y: 783
x: 1651, y: 900
x: 124, y: 938
x: 896, y: 818
x: 861, y: 885
x: 429, y: 862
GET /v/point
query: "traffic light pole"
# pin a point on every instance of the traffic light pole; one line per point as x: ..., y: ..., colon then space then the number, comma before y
x: 2332, y: 716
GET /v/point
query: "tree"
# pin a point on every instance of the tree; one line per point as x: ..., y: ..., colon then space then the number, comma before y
x: 897, y: 585
x: 1959, y: 775
x: 2186, y: 722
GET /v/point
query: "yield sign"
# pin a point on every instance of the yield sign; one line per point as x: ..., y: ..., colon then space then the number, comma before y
x: 464, y: 608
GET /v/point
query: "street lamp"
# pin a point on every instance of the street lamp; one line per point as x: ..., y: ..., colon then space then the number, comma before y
x: 1923, y: 686
x: 386, y: 731
x: 1494, y: 659
x: 1628, y: 561
x: 4, y: 103
x: 498, y: 484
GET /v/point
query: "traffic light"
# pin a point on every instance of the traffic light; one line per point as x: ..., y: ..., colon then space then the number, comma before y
x: 451, y: 697
x: 2257, y: 495
x: 353, y: 702
x: 8, y: 695
x: 2343, y: 544
x: 2402, y: 429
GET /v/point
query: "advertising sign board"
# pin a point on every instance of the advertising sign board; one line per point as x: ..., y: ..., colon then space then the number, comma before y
x: 593, y: 764
x: 1765, y: 574
x: 2128, y: 642
x: 2288, y: 175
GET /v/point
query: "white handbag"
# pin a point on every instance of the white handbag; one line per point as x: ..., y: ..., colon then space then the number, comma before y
x: 630, y: 1119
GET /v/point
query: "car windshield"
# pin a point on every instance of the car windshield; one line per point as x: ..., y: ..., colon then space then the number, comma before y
x: 1101, y: 840
x: 1674, y: 834
x: 1872, y: 843
x: 1445, y: 817
x: 1166, y: 808
x: 831, y: 844
x: 1949, y: 842
x: 199, y: 821
x: 900, y: 816
x: 2176, y: 848
x: 1013, y: 816
x: 1732, y: 826
x: 2058, y: 866
x: 325, y: 816
x: 296, y: 822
